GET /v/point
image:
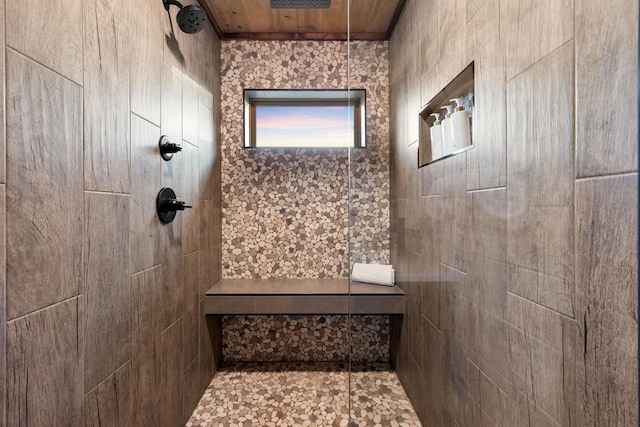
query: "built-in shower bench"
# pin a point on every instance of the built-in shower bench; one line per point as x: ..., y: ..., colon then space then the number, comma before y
x: 301, y: 296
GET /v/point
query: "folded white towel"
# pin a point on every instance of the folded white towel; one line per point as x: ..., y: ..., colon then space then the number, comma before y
x: 377, y: 274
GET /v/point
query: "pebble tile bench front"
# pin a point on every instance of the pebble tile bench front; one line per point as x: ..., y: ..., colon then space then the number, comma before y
x: 301, y: 296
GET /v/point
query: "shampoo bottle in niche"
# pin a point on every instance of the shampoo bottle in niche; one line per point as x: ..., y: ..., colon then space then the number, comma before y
x: 447, y: 132
x: 460, y: 126
x: 436, y: 138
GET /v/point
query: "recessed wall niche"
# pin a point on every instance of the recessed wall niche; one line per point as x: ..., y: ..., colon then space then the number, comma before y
x: 438, y: 137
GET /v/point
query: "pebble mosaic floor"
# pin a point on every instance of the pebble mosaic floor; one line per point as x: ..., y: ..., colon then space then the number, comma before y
x: 303, y: 394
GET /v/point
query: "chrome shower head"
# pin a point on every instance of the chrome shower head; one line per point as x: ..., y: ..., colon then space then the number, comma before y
x: 191, y: 18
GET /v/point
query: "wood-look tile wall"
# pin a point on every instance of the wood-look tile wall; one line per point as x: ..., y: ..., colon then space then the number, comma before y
x: 518, y: 257
x: 103, y: 321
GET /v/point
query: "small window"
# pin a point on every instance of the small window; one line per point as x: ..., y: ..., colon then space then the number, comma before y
x: 304, y: 118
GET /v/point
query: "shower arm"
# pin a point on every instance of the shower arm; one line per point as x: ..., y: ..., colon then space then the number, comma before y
x: 168, y: 3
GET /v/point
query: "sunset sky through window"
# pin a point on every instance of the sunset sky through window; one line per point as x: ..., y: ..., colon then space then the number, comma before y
x: 304, y: 126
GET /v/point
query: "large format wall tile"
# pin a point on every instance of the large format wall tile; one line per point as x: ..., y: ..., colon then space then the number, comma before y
x: 430, y: 240
x: 398, y: 60
x: 518, y: 345
x: 190, y: 320
x: 206, y: 151
x: 190, y: 102
x: 146, y: 50
x: 455, y: 211
x: 534, y: 29
x: 171, y: 125
x: 487, y: 250
x: 111, y: 402
x: 2, y: 93
x: 192, y: 393
x: 472, y: 8
x: 172, y: 341
x: 606, y: 285
x: 120, y: 9
x: 489, y: 344
x: 197, y: 61
x: 432, y: 370
x: 107, y: 331
x: 211, y: 95
x: 171, y: 106
x: 49, y: 32
x: 452, y: 41
x: 44, y: 351
x: 431, y: 83
x: 542, y: 350
x: 487, y: 161
x: 149, y: 357
x: 3, y: 309
x: 44, y: 200
x: 432, y: 179
x: 210, y: 346
x: 190, y: 217
x: 209, y: 269
x: 174, y: 44
x: 106, y: 95
x: 427, y: 14
x: 399, y: 141
x: 413, y: 75
x: 170, y: 250
x: 145, y: 227
x: 172, y: 267
x: 606, y: 105
x: 92, y: 68
x: 541, y: 181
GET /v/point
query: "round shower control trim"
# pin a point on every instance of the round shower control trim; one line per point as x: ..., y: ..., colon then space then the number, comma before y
x: 167, y: 205
x: 168, y: 148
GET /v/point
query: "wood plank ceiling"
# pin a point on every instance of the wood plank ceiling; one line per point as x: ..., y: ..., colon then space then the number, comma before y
x: 254, y: 19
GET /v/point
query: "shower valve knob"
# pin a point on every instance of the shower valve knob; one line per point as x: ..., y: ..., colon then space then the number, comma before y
x: 172, y: 148
x: 167, y: 205
x: 175, y: 205
x: 168, y: 148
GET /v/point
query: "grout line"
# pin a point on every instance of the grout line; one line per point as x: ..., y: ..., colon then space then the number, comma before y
x: 144, y: 270
x: 171, y: 324
x: 42, y: 65
x: 64, y: 301
x: 184, y: 254
x: 539, y: 305
x: 485, y: 190
x: 452, y: 268
x: 143, y: 118
x: 431, y: 323
x: 571, y: 40
x: 129, y: 360
x: 612, y: 175
x: 192, y: 361
x: 468, y: 19
x: 191, y: 144
x: 113, y: 193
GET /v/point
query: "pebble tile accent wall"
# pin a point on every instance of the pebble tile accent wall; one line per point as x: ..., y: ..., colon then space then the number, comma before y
x: 287, y: 213
x: 305, y: 338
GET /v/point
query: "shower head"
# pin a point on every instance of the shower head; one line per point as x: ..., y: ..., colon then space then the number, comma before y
x: 191, y: 18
